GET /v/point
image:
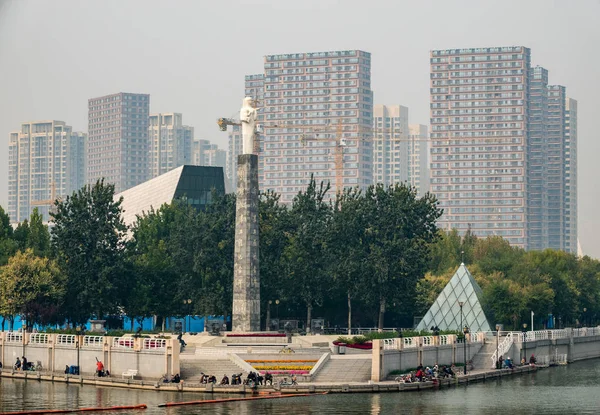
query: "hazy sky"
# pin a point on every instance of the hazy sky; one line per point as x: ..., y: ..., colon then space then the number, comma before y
x: 191, y: 57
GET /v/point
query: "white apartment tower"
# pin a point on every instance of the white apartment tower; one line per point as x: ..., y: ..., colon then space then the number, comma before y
x: 570, y: 175
x: 391, y: 159
x: 312, y: 97
x: 418, y: 152
x: 46, y: 160
x: 479, y: 125
x: 170, y: 142
x: 207, y: 154
x: 118, y: 145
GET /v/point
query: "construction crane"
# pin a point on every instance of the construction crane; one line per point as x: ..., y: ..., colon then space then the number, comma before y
x: 223, y: 123
x: 47, y: 202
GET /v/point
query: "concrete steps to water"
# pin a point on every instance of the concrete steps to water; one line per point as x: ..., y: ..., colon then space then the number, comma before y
x: 345, y: 369
x: 483, y: 359
x: 192, y: 369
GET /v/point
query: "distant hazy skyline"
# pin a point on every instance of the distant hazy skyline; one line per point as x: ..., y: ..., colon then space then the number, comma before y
x: 191, y: 57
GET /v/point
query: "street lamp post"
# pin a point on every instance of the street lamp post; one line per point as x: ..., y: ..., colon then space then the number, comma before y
x: 268, y: 325
x: 460, y: 304
x: 497, y: 340
x: 78, y: 331
x: 277, y: 304
x: 584, y: 311
x: 525, y: 341
x: 187, y: 303
x: 465, y: 331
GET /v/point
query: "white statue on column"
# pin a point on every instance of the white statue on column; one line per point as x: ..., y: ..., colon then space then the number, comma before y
x: 248, y: 120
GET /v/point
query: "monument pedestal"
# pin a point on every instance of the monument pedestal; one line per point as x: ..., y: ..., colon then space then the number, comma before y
x: 246, y: 279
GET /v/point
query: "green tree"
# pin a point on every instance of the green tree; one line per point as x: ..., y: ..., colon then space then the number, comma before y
x: 155, y: 283
x: 494, y: 254
x: 401, y: 229
x: 347, y: 247
x: 274, y: 225
x: 213, y: 256
x: 88, y: 240
x: 306, y: 264
x: 446, y: 252
x: 31, y: 286
x: 38, y: 237
x: 7, y: 244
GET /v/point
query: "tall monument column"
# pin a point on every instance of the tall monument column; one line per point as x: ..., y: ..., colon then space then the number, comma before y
x: 246, y: 278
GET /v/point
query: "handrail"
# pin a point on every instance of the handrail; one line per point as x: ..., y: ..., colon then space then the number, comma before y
x: 503, y: 348
x: 389, y: 344
x: 65, y: 339
x: 93, y: 341
x: 155, y: 344
x: 38, y: 338
x: 14, y: 337
x: 407, y: 342
x: 428, y: 341
x: 444, y: 339
x: 123, y: 342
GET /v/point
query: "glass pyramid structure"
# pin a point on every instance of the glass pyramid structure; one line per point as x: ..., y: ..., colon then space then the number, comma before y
x: 445, y: 310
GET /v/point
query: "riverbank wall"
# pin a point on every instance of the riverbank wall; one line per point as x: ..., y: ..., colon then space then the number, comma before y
x: 341, y: 387
x: 557, y: 346
x: 404, y: 354
x: 143, y: 358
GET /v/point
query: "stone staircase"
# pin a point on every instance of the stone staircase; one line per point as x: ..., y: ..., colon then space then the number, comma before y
x: 483, y: 359
x: 191, y: 369
x: 345, y: 369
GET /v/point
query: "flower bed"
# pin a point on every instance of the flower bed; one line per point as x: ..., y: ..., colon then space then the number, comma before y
x: 362, y: 346
x: 283, y: 367
x: 282, y: 361
x: 285, y: 372
x: 257, y: 335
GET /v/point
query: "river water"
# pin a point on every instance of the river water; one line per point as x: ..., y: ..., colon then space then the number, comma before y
x: 572, y: 389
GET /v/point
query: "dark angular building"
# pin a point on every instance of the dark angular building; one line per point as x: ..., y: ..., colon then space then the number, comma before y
x: 194, y: 183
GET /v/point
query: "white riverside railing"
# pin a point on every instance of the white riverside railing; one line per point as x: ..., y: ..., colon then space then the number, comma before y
x: 444, y: 339
x: 65, y: 339
x: 155, y: 344
x: 38, y: 338
x: 558, y: 334
x: 93, y: 342
x: 503, y: 348
x: 123, y: 342
x: 389, y: 344
x: 409, y: 342
x: 428, y: 341
x: 586, y: 331
x: 14, y: 337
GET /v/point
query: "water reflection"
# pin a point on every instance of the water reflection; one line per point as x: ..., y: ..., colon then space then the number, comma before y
x: 563, y: 390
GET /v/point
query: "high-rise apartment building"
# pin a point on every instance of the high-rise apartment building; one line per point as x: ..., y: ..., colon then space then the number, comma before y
x: 479, y: 113
x: 391, y: 158
x: 504, y: 155
x: 570, y: 176
x: 418, y: 162
x: 207, y: 154
x: 46, y: 160
x: 170, y: 142
x: 313, y: 95
x: 554, y: 168
x: 537, y: 151
x: 118, y: 146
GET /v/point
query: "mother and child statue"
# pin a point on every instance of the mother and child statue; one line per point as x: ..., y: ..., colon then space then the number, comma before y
x: 248, y: 116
